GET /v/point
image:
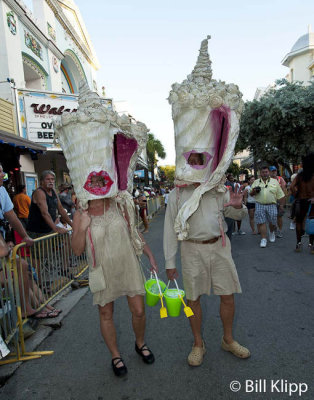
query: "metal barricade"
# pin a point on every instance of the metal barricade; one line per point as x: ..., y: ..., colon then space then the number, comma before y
x: 11, y: 314
x: 153, y: 205
x: 33, y: 278
x: 8, y: 317
x: 53, y: 267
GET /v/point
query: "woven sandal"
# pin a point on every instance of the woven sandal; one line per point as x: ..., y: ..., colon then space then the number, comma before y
x: 196, y: 356
x: 236, y: 349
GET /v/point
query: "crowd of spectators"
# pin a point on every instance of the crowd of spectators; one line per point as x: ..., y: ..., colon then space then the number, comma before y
x: 268, y: 197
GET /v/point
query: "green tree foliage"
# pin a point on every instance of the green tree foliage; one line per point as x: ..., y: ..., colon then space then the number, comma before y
x: 278, y: 128
x: 168, y: 172
x: 236, y: 171
x: 154, y: 149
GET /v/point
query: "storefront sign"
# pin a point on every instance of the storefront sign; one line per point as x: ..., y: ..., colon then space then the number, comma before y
x: 39, y: 114
x: 37, y: 110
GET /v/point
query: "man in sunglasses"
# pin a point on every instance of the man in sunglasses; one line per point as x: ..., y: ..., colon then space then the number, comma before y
x: 267, y: 192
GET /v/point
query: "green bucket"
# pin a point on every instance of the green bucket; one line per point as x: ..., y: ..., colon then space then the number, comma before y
x: 152, y: 297
x: 173, y: 301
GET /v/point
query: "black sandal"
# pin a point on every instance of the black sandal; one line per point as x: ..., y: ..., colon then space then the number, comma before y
x: 119, y: 371
x: 149, y: 359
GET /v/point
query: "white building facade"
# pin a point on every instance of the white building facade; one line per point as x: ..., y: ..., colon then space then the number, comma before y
x: 300, y: 59
x: 44, y: 53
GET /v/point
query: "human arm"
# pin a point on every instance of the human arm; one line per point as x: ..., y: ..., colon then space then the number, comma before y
x: 233, y: 206
x: 280, y: 197
x: 170, y: 242
x: 63, y: 212
x: 81, y: 222
x: 147, y: 251
x: 294, y: 187
x: 4, y: 247
x: 39, y: 198
x: 18, y: 227
x: 245, y: 195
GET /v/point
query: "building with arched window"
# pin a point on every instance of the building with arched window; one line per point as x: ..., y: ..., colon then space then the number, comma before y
x: 45, y: 52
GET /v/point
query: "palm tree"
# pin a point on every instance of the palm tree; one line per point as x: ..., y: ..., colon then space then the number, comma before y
x: 154, y: 148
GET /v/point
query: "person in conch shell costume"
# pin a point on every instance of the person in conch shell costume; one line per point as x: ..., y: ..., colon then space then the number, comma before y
x: 101, y: 149
x: 206, y: 117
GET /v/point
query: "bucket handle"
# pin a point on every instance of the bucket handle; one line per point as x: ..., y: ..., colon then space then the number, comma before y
x: 157, y: 280
x: 175, y: 284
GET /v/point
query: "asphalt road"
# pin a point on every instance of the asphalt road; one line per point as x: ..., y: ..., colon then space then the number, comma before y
x: 274, y: 318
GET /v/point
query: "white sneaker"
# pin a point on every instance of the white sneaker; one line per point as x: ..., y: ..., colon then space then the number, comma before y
x: 272, y: 237
x: 263, y: 243
x: 292, y: 226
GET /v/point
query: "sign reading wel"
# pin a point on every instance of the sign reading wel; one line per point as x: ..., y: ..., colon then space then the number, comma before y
x: 39, y: 114
x: 38, y: 109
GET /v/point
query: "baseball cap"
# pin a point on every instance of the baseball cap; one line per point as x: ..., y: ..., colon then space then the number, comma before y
x: 272, y: 168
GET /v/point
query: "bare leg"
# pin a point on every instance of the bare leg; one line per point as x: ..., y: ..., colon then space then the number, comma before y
x: 239, y: 225
x: 145, y: 221
x: 299, y: 231
x: 272, y: 227
x: 279, y: 223
x: 252, y: 224
x: 23, y: 275
x: 227, y: 315
x: 136, y: 306
x: 108, y: 329
x: 196, y: 321
x: 262, y: 230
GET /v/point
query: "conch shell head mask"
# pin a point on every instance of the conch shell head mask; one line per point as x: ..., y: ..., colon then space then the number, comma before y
x: 206, y: 117
x: 99, y: 144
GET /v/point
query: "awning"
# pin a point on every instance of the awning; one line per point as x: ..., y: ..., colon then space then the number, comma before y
x: 20, y: 143
x: 141, y: 162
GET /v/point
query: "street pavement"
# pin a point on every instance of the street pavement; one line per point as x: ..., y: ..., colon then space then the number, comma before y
x: 274, y: 319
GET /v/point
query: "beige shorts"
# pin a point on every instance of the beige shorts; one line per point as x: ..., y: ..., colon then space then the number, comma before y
x: 206, y: 266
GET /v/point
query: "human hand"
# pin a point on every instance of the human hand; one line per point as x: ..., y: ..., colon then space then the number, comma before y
x: 154, y: 267
x: 10, y: 246
x: 172, y: 274
x: 28, y: 241
x: 85, y: 220
x: 236, y: 200
x: 61, y: 230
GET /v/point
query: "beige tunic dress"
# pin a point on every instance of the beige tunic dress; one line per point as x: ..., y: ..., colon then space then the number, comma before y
x: 120, y: 272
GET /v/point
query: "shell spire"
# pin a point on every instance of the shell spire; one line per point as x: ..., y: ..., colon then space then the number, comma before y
x: 87, y: 98
x: 202, y: 68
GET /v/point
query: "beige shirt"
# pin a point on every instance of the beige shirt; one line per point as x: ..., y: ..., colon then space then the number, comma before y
x: 203, y: 224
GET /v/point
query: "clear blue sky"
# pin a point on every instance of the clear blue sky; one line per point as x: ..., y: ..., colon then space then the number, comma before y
x: 144, y: 46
